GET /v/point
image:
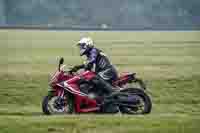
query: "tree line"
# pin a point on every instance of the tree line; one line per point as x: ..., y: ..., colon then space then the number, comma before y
x: 177, y: 14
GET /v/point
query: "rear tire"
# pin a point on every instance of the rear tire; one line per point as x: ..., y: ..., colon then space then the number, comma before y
x: 146, y: 99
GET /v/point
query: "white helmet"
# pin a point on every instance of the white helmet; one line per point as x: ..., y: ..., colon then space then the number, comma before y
x: 85, y: 45
x: 87, y: 41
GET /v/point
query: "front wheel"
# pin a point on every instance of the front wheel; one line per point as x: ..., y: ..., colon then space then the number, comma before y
x: 141, y: 105
x: 52, y: 104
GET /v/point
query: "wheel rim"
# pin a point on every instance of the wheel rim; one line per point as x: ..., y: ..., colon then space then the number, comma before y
x: 55, y: 108
x: 139, y: 108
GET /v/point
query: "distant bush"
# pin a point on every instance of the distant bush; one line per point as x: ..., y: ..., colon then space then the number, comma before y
x: 135, y: 14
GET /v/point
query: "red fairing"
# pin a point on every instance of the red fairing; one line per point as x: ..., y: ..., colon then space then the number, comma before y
x: 73, y: 80
x: 71, y: 84
x: 59, y: 77
x: 91, y: 103
x: 88, y: 75
x: 123, y: 79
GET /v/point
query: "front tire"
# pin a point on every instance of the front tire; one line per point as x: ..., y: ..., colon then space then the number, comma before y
x: 52, y: 104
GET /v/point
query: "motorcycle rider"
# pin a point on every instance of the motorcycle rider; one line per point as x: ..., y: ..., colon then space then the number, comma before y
x: 99, y: 63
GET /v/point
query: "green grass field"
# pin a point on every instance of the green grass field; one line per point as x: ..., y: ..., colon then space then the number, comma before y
x: 169, y: 62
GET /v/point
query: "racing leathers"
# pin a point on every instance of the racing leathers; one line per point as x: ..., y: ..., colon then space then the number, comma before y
x: 100, y: 64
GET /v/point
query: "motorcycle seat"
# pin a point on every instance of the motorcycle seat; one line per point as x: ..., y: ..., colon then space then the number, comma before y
x: 123, y: 78
x: 125, y: 74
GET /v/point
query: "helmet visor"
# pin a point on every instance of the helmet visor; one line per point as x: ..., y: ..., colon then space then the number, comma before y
x: 82, y: 48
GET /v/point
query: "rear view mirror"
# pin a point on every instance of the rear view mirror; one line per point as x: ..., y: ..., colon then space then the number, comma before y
x: 61, y: 61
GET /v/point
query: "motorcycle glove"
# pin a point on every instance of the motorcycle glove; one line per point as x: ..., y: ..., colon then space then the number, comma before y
x: 88, y: 66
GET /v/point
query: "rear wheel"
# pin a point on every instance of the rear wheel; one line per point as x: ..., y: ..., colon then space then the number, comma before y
x: 52, y: 104
x: 142, y: 105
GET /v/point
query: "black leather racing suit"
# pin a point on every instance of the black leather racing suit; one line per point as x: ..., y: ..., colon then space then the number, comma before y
x: 99, y: 62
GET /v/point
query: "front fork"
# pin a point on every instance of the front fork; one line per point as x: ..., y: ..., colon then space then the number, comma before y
x: 60, y: 94
x: 56, y: 92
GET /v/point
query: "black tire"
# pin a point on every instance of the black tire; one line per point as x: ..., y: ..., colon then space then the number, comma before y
x: 146, y: 99
x: 45, y: 104
x: 71, y: 104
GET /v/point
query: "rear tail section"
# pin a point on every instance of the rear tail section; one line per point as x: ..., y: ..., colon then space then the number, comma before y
x: 124, y: 79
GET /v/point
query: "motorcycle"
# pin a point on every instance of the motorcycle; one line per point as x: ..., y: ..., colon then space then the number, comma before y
x: 72, y: 92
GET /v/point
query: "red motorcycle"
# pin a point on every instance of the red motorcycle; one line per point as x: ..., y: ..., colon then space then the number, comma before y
x: 74, y: 93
